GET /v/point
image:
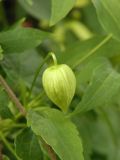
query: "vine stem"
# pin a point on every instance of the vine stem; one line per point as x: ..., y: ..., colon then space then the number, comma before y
x: 8, y: 145
x: 12, y: 95
x: 51, y: 54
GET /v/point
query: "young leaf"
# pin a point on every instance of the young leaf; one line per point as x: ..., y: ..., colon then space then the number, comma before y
x: 27, y: 145
x: 109, y: 15
x: 103, y: 86
x: 21, y: 39
x: 4, y: 100
x: 57, y: 131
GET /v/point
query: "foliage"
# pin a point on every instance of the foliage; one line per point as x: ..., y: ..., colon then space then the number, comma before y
x: 83, y: 34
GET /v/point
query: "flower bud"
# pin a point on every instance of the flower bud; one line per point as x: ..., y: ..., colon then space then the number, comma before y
x: 59, y: 83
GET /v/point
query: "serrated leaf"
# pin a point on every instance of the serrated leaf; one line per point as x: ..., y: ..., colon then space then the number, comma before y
x: 82, y: 52
x: 104, y: 85
x: 27, y: 145
x: 109, y: 15
x: 4, y: 100
x: 21, y: 39
x: 100, y: 132
x: 57, y: 131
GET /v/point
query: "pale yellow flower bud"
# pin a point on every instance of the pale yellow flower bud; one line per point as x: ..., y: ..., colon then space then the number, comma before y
x: 59, y: 83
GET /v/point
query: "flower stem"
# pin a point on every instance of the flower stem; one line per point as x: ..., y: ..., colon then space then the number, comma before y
x: 51, y: 54
x: 53, y: 57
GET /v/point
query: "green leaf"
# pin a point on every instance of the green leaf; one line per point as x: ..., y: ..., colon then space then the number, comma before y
x: 39, y: 8
x: 57, y: 131
x: 4, y: 100
x: 51, y: 10
x: 21, y: 39
x: 91, y: 19
x: 59, y: 9
x: 27, y: 145
x: 22, y: 66
x: 84, y: 75
x: 82, y: 52
x: 100, y: 132
x: 109, y: 15
x: 104, y: 85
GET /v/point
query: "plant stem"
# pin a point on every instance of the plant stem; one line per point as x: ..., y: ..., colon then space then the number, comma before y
x: 12, y: 95
x: 39, y: 68
x: 92, y: 51
x: 8, y: 145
